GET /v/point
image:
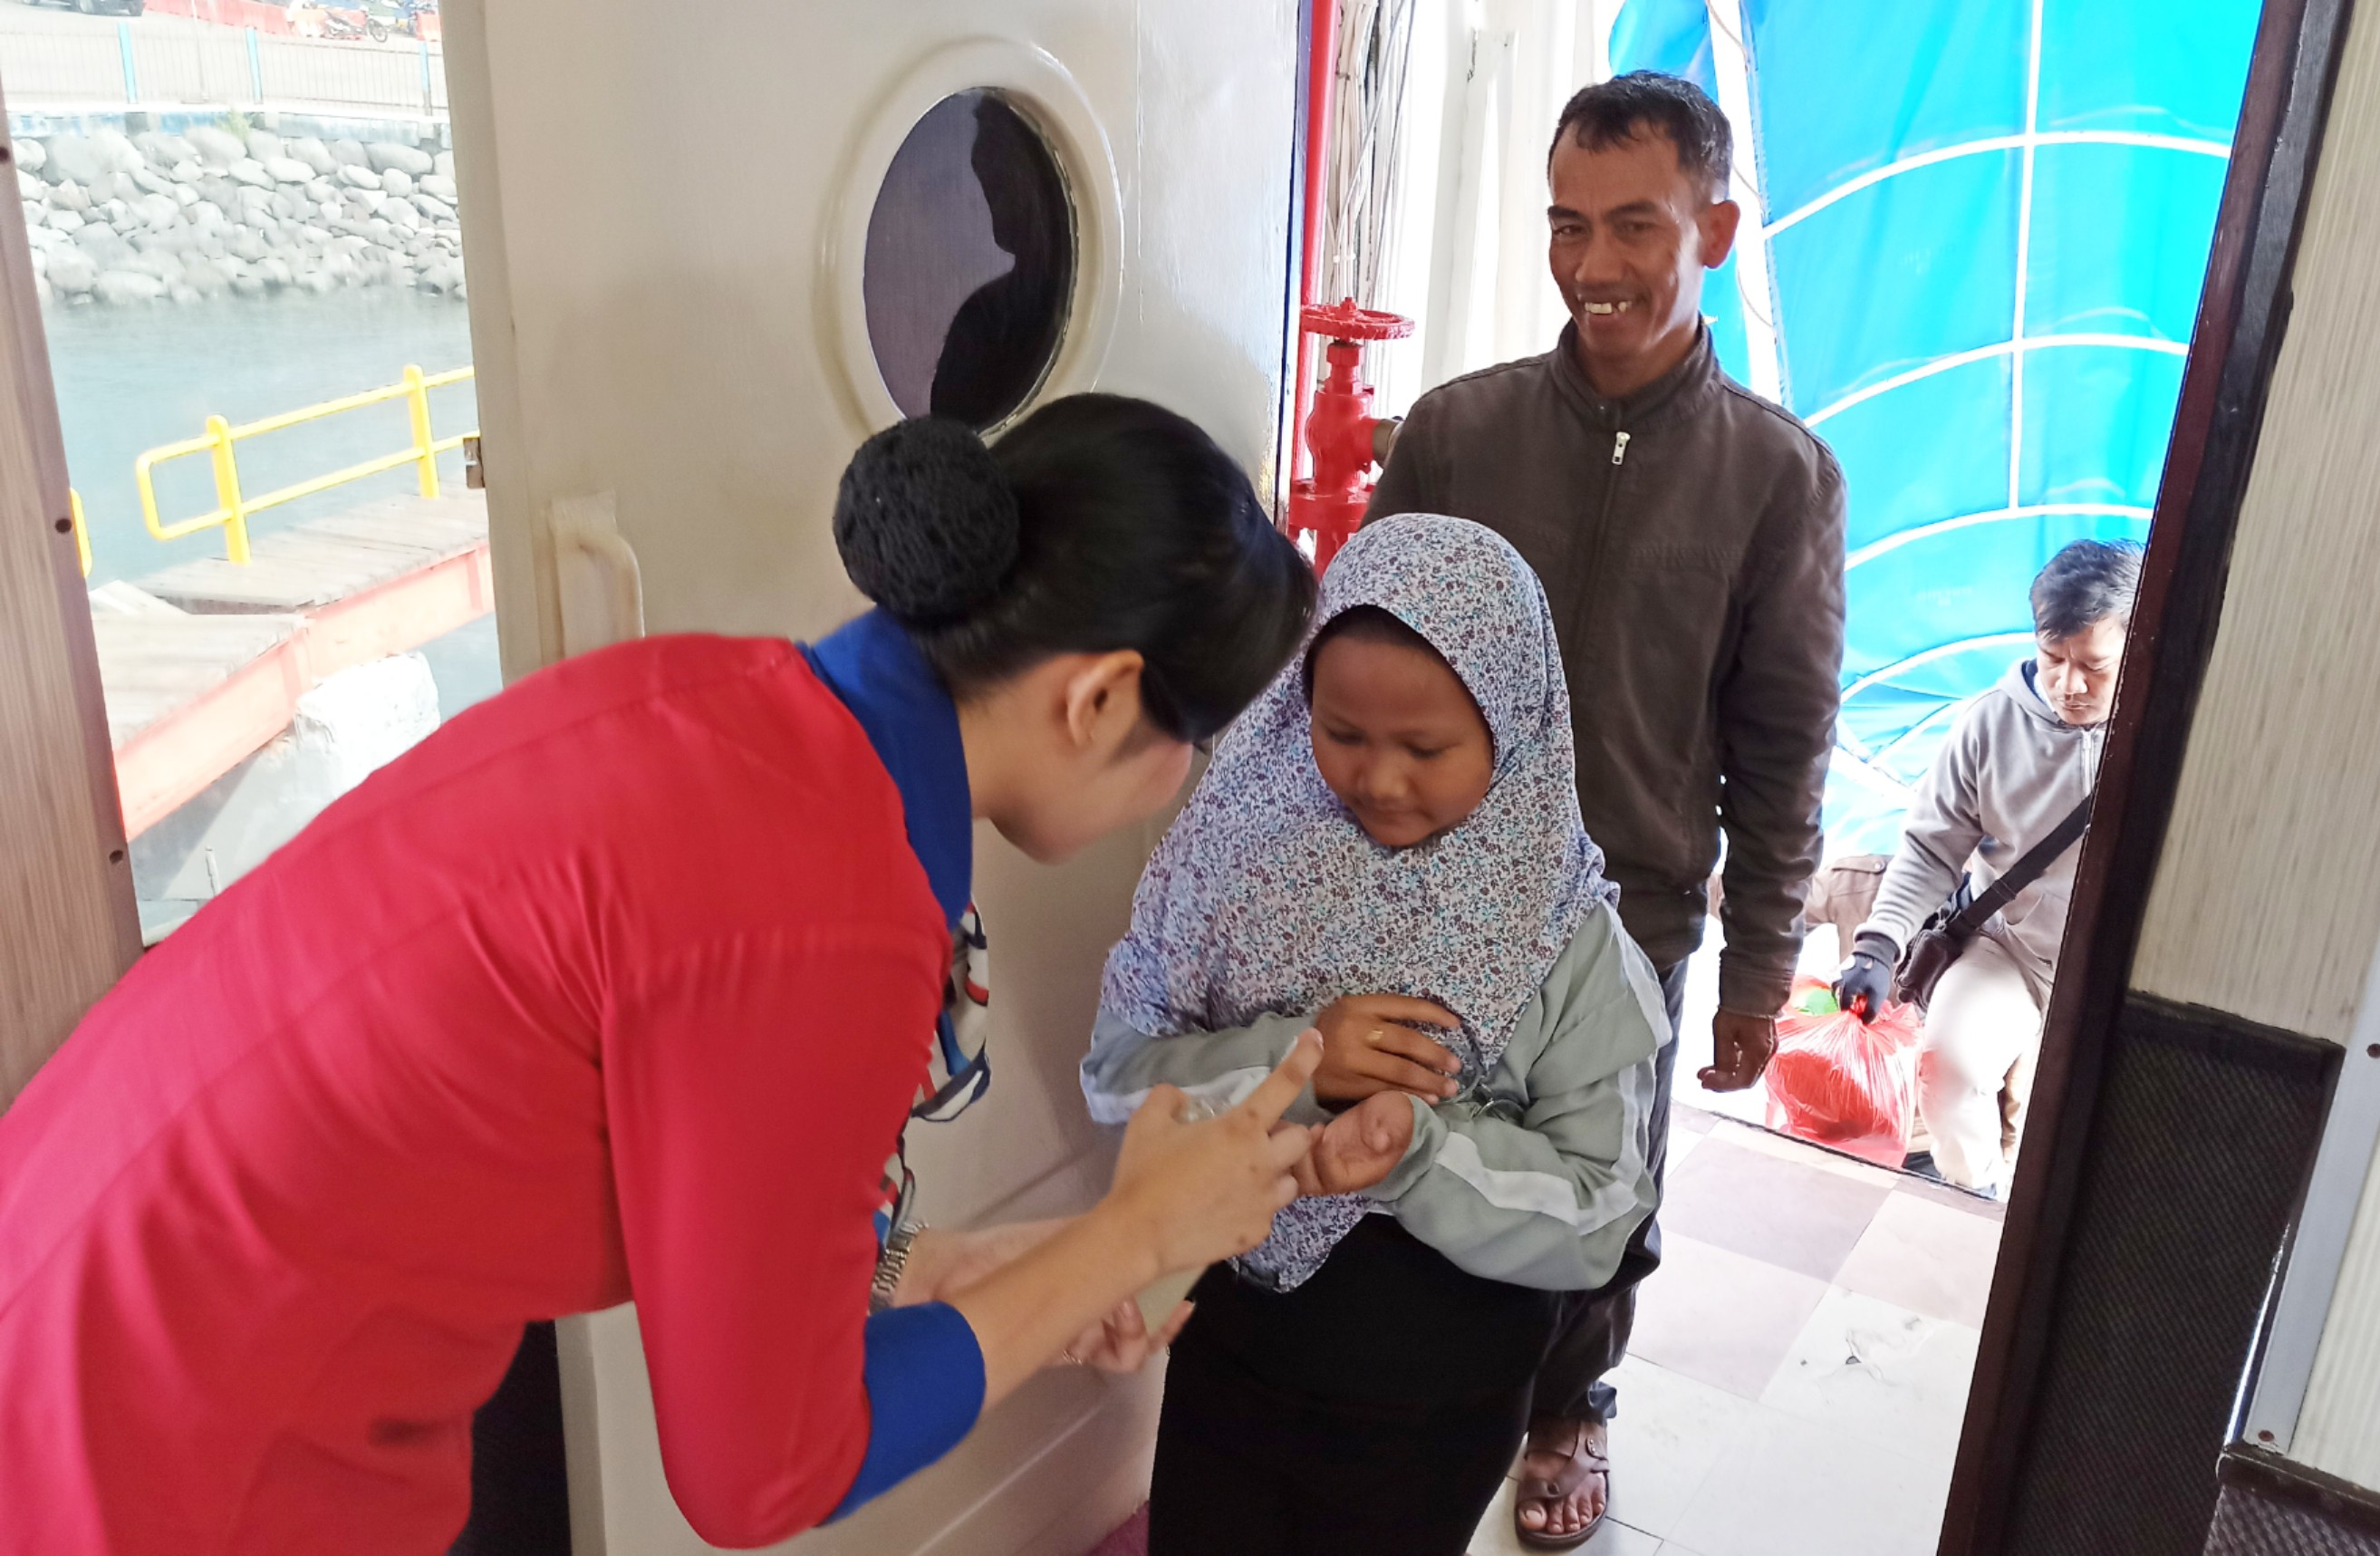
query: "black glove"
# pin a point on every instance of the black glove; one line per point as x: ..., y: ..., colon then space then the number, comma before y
x: 1866, y: 982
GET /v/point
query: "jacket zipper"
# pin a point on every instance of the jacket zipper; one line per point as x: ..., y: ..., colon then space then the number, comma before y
x: 1589, y: 566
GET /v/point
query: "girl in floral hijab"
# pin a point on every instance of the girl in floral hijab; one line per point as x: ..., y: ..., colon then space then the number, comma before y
x: 1388, y: 848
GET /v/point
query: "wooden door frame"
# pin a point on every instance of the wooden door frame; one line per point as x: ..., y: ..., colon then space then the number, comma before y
x: 2242, y: 315
x: 68, y: 924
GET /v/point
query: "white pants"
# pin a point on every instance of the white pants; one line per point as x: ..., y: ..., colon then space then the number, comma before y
x: 1975, y: 1067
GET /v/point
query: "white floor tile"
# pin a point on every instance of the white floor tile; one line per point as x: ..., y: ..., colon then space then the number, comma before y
x: 1669, y: 1434
x: 1720, y: 1318
x: 1784, y: 1149
x: 1880, y: 1373
x: 1794, y: 1489
x: 1926, y: 1257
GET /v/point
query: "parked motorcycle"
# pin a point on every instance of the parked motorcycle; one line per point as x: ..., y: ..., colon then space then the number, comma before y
x: 348, y: 21
x: 398, y: 16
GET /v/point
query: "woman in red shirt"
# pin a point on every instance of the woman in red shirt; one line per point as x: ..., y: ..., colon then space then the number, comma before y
x: 620, y: 985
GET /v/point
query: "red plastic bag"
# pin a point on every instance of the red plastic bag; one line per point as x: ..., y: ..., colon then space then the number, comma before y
x: 1840, y: 1082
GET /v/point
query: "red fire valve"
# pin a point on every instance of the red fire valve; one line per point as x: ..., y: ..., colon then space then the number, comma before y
x: 1343, y: 436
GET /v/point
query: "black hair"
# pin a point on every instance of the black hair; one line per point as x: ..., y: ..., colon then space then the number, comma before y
x: 2084, y: 584
x: 1650, y: 101
x: 1097, y: 523
x: 1369, y: 624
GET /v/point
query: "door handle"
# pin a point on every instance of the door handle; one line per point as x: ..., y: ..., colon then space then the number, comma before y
x: 598, y: 586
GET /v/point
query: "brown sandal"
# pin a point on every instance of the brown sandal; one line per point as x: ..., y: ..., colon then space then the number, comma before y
x: 1586, y: 1458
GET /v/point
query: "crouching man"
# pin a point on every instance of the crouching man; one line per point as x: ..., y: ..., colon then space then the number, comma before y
x: 2018, y: 762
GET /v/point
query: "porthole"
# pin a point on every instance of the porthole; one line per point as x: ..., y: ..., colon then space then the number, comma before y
x: 969, y: 271
x: 907, y: 246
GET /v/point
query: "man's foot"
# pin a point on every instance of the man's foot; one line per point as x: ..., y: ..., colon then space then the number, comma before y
x: 1565, y: 1484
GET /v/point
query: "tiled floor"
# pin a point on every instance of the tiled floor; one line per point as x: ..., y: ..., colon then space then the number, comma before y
x: 1800, y: 1360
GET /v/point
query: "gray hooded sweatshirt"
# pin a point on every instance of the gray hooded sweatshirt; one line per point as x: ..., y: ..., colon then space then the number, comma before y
x: 2009, y: 772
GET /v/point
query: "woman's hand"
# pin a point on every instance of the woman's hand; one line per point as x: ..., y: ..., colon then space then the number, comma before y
x: 1369, y: 1046
x: 1121, y: 1342
x: 942, y: 1264
x: 1189, y: 1193
x: 1185, y: 1195
x: 1360, y: 1147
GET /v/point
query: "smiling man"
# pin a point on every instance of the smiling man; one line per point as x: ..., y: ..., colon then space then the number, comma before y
x: 2019, y: 758
x: 1690, y: 536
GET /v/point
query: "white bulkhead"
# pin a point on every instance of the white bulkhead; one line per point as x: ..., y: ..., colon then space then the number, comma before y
x: 669, y: 209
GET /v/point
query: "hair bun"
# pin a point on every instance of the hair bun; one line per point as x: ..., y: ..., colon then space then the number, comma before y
x: 925, y: 522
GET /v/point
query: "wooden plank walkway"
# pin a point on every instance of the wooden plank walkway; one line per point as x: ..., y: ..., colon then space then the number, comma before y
x: 203, y: 662
x: 327, y: 560
x: 155, y: 664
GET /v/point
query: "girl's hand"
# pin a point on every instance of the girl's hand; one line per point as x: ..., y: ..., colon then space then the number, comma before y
x: 1187, y: 1194
x: 1369, y: 1046
x: 1360, y: 1147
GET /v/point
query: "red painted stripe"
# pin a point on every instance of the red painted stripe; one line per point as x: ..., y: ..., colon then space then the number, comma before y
x: 171, y: 760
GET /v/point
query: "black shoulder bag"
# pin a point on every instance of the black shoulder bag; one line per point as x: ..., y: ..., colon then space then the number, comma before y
x: 1947, y: 932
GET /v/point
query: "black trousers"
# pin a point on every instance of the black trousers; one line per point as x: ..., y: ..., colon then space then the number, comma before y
x: 1591, y: 1329
x: 1374, y: 1411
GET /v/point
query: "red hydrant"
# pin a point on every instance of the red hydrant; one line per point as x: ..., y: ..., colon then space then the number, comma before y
x: 1345, y: 438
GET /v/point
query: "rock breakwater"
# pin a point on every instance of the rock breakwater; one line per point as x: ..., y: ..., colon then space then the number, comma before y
x: 124, y: 220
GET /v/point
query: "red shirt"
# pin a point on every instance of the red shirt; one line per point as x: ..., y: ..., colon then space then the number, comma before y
x: 619, y: 984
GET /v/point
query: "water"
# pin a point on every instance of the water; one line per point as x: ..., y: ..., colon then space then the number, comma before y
x: 129, y: 379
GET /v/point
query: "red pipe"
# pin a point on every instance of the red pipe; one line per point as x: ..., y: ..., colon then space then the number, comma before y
x: 1322, y: 75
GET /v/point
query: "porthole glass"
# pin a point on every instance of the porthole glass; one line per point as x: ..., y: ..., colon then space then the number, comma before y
x: 971, y: 267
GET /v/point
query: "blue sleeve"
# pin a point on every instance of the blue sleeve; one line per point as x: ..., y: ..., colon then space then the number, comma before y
x: 924, y: 1374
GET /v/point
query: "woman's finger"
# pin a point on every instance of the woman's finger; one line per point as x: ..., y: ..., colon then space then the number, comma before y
x: 1278, y: 1090
x: 1124, y: 1322
x: 1172, y: 1325
x: 1163, y: 1106
x: 1118, y: 1343
x: 1288, y: 1145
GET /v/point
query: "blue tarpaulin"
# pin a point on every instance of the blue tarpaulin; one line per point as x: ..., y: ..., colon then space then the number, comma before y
x: 1985, y: 224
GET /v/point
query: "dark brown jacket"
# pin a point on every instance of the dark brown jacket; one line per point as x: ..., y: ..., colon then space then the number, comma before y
x: 1691, y: 541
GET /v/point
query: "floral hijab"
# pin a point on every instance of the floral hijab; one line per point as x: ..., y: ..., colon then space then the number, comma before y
x: 1266, y: 897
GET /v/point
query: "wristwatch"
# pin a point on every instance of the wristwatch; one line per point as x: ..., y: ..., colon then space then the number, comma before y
x: 890, y: 1263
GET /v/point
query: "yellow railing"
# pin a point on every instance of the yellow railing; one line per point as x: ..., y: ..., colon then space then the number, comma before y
x: 221, y: 444
x: 82, y: 532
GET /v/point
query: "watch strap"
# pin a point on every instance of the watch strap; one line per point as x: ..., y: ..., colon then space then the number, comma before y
x: 890, y: 1263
